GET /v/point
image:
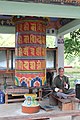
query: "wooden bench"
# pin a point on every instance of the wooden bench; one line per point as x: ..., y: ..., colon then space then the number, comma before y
x: 15, y: 94
x: 63, y: 104
x: 19, y: 97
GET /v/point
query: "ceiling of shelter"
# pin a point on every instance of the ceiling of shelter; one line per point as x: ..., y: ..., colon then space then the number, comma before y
x: 60, y: 2
x: 51, y: 22
x: 59, y: 12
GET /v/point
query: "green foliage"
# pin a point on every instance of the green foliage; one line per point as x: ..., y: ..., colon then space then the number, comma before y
x: 72, y: 45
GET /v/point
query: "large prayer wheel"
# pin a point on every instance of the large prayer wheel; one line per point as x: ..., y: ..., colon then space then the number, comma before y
x: 30, y: 51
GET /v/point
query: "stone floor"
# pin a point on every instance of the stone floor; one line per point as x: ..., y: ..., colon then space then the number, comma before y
x: 13, y: 111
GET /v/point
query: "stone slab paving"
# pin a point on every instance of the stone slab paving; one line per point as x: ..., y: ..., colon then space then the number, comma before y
x: 13, y: 112
x: 62, y: 118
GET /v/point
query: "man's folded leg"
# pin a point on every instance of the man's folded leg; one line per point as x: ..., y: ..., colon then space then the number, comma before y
x: 62, y: 95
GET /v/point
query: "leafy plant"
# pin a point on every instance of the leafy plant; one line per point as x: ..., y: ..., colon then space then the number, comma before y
x: 72, y: 44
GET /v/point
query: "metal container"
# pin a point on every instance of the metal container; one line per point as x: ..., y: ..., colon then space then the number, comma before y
x: 2, y: 98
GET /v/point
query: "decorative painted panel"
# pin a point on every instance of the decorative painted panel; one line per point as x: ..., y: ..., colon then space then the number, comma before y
x: 30, y: 78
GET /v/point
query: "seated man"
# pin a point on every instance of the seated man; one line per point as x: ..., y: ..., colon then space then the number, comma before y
x: 61, y: 85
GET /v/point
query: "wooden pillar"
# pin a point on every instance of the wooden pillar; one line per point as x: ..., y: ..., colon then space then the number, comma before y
x: 7, y: 57
x: 60, y: 45
x: 6, y: 98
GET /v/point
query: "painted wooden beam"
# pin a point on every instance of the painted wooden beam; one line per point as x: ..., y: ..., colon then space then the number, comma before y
x: 72, y: 26
x: 38, y: 9
x: 62, y: 31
